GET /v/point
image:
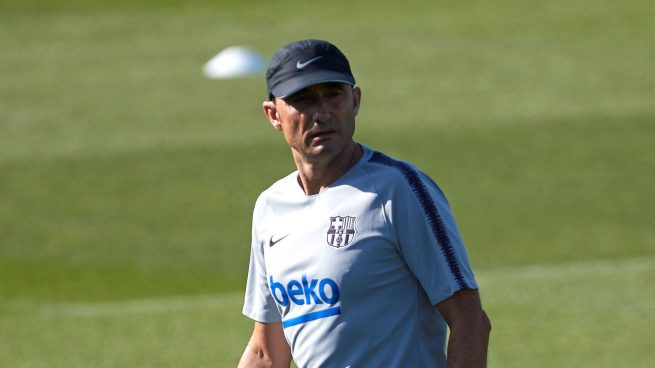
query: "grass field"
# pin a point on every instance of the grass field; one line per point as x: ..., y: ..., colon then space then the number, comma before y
x: 127, y: 179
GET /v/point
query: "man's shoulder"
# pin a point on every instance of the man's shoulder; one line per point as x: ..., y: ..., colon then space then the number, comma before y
x: 390, y: 163
x: 284, y: 184
x: 282, y: 187
x: 389, y: 173
x: 385, y: 168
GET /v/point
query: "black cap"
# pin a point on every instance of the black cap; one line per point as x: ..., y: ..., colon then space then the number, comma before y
x: 305, y: 63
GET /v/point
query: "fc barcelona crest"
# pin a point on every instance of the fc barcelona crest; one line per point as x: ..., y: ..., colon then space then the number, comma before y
x: 342, y: 231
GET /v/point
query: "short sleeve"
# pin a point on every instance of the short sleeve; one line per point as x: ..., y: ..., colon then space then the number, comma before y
x: 428, y: 237
x: 259, y: 304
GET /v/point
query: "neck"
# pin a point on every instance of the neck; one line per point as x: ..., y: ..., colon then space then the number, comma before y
x: 314, y: 176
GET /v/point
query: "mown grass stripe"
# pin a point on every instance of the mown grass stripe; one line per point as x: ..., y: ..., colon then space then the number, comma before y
x: 554, y: 271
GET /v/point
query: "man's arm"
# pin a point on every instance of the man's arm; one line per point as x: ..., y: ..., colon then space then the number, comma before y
x: 267, y: 348
x: 469, y: 330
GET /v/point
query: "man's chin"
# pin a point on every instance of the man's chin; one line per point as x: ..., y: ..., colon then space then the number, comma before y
x: 318, y: 150
x: 324, y: 147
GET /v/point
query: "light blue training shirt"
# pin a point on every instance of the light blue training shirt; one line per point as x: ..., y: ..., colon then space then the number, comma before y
x: 354, y: 273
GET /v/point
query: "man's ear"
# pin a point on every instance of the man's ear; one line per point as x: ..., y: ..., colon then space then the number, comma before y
x: 272, y: 113
x: 357, y: 99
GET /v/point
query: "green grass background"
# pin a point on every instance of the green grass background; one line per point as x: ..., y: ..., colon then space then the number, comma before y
x: 127, y: 178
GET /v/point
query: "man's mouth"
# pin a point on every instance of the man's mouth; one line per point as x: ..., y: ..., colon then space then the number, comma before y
x: 321, y: 134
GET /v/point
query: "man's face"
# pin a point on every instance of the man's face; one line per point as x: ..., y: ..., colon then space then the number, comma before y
x: 318, y: 121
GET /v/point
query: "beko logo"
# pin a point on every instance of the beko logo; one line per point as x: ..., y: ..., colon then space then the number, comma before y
x: 304, y: 291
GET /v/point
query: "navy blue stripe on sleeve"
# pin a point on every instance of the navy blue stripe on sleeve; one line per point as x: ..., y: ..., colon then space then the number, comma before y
x: 431, y: 212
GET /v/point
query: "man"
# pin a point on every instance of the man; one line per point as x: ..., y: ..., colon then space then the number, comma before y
x: 356, y: 260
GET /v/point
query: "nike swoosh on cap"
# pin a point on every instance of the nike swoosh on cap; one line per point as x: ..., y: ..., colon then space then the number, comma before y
x: 272, y: 242
x: 301, y: 65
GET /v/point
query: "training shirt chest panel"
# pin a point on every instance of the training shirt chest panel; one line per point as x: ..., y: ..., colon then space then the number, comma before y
x: 339, y: 280
x: 340, y: 234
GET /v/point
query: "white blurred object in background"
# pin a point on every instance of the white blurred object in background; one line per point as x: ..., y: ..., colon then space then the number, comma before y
x: 235, y: 61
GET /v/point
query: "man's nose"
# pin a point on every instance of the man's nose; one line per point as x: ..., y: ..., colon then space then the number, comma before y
x: 320, y: 111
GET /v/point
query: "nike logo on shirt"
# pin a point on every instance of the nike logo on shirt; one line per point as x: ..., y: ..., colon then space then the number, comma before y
x: 272, y: 242
x: 301, y: 65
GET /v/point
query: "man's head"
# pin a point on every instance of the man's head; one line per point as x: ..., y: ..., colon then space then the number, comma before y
x: 305, y: 63
x: 313, y: 99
